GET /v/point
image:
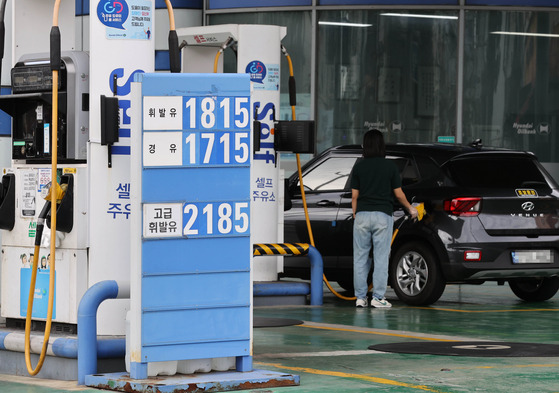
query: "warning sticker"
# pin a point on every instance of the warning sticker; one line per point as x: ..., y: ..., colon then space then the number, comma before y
x: 28, y: 193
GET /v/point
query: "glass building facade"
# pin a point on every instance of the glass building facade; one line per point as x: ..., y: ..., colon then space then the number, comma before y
x: 432, y: 71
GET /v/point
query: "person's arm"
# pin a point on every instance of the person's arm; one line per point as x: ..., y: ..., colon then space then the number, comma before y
x: 354, y: 196
x: 401, y: 197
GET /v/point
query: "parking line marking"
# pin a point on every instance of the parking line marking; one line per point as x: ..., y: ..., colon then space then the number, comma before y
x: 318, y: 354
x: 511, y: 366
x: 382, y: 381
x: 371, y: 331
x: 482, y: 311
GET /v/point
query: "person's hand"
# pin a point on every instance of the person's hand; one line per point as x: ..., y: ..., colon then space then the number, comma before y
x: 413, y: 212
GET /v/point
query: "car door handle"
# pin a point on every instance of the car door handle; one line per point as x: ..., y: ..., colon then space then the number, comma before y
x: 325, y: 203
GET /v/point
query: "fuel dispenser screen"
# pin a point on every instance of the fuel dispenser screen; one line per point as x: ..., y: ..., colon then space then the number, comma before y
x: 31, y: 102
x: 33, y: 78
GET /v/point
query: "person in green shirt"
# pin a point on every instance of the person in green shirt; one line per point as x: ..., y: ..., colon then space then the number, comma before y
x: 374, y: 181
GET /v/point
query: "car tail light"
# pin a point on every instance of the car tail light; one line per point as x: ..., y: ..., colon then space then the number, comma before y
x: 473, y: 255
x: 470, y: 206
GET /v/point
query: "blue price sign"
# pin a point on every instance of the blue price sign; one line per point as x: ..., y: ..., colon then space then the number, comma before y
x: 215, y: 219
x: 195, y: 201
x: 216, y: 113
x: 216, y: 148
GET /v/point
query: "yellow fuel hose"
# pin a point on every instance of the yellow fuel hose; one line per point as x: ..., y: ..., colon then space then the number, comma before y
x: 216, y: 60
x: 420, y: 207
x: 225, y: 45
x: 171, y: 15
x: 304, y: 199
x: 174, y: 50
x: 54, y: 195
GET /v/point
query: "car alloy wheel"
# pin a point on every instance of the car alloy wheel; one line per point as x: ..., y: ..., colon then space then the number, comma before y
x: 412, y: 273
x: 415, y: 274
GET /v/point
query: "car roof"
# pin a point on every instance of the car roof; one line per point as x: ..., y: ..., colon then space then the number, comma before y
x: 440, y: 152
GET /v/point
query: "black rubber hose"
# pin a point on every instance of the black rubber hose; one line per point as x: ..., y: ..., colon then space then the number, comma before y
x: 2, y: 33
x: 41, y: 223
x: 55, y: 52
x: 2, y: 38
x: 2, y: 13
x: 292, y: 92
x: 174, y: 52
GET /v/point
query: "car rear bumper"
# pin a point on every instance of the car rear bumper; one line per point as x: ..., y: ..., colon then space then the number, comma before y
x: 497, y: 263
x: 514, y: 273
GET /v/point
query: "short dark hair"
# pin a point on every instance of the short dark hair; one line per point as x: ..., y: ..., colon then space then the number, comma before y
x: 373, y: 144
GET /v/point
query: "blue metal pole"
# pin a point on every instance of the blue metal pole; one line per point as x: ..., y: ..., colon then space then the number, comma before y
x: 317, y: 272
x: 106, y: 348
x: 87, y: 326
x: 280, y: 288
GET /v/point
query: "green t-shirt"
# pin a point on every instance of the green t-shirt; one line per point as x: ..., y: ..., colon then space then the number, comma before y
x: 375, y: 178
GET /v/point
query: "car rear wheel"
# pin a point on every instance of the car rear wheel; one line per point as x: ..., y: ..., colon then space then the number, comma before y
x: 346, y: 282
x: 535, y: 289
x: 415, y: 275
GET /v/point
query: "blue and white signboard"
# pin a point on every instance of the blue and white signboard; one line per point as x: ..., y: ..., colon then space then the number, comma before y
x: 126, y: 19
x: 193, y: 274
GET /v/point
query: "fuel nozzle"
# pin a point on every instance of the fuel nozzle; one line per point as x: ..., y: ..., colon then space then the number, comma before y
x: 59, y: 190
x: 228, y: 42
x: 64, y: 195
x: 420, y: 207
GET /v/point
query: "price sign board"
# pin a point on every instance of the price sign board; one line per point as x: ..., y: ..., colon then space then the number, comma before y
x: 196, y: 248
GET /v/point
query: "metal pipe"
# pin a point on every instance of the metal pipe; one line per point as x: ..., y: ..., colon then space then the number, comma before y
x: 284, y: 288
x: 281, y: 288
x: 65, y: 347
x: 317, y: 271
x: 87, y: 323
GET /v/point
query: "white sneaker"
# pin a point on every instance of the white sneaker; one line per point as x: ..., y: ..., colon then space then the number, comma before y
x: 380, y: 303
x: 361, y: 303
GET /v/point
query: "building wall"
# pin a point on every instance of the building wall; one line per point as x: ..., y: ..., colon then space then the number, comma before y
x: 421, y: 71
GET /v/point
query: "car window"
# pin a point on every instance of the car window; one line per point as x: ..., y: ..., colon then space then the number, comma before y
x: 331, y: 174
x: 400, y: 162
x: 427, y: 167
x: 491, y: 172
x: 407, y: 169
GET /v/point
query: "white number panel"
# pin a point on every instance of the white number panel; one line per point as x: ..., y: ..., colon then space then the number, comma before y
x: 204, y: 219
x: 216, y: 113
x: 216, y: 148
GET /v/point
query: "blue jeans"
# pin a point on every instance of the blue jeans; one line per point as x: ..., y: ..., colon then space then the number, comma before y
x: 371, y: 228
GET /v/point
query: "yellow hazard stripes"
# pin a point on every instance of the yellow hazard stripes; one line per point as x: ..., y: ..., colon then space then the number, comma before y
x: 280, y: 249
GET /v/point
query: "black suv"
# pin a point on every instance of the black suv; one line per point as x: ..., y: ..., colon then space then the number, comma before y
x: 491, y: 215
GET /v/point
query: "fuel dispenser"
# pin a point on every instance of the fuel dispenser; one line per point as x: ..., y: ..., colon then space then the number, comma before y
x: 258, y: 52
x: 25, y: 184
x: 97, y: 195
